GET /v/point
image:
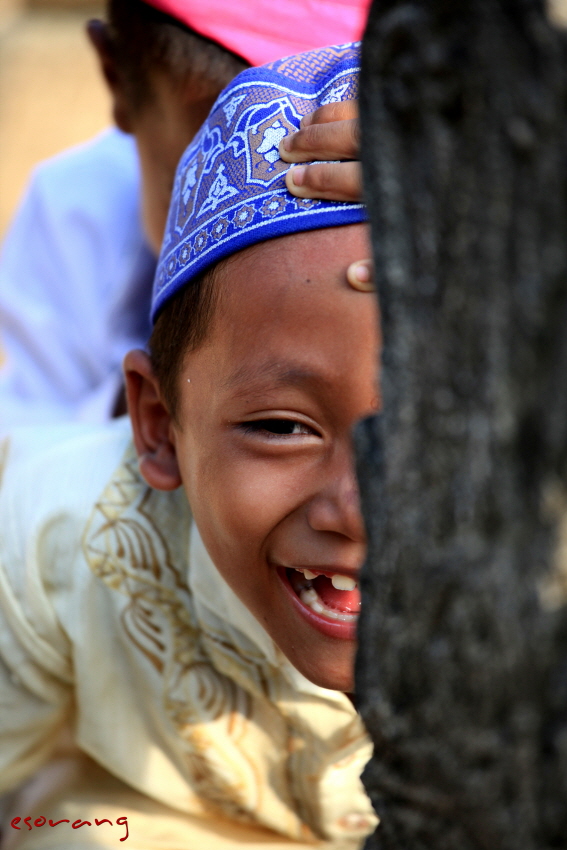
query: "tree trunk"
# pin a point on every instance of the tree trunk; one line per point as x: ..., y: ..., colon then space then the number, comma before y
x: 462, y: 668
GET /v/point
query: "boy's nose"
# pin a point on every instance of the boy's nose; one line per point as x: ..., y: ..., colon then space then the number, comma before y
x: 336, y: 507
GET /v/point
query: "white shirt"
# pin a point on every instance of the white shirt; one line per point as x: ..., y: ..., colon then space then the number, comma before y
x: 75, y: 283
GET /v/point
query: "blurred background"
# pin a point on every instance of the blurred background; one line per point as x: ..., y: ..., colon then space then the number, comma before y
x: 51, y: 92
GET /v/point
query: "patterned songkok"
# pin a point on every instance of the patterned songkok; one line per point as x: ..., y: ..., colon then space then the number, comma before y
x: 229, y: 189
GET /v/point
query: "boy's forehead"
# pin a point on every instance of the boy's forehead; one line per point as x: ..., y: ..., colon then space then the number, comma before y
x: 303, y: 257
x: 282, y: 302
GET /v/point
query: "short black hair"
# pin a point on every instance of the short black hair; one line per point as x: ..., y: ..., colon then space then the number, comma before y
x: 145, y: 39
x: 180, y: 328
x: 185, y: 321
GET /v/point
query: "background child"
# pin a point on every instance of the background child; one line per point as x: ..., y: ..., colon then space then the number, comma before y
x: 203, y: 663
x: 76, y: 269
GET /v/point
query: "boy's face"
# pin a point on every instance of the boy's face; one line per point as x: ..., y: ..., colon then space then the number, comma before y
x: 162, y: 127
x: 263, y: 444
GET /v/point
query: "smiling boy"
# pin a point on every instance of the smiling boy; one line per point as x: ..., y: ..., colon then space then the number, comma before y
x: 190, y: 609
x: 261, y: 439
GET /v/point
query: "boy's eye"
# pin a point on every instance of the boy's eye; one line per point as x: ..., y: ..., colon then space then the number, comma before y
x: 279, y: 427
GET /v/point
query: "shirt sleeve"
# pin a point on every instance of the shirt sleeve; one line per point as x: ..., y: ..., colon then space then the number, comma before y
x: 28, y: 729
x: 35, y: 660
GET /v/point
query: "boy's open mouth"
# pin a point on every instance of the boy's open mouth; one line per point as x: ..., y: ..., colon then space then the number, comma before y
x: 336, y: 596
x: 330, y: 601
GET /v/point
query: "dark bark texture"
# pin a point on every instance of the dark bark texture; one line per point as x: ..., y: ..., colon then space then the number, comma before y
x: 462, y: 669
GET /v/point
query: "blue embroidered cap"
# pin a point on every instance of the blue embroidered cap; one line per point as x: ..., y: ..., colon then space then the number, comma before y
x: 229, y: 189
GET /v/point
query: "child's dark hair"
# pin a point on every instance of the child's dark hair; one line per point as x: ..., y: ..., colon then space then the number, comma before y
x: 145, y: 39
x: 180, y: 328
x: 185, y: 322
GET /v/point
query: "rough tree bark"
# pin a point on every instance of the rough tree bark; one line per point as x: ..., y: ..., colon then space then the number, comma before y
x: 462, y: 671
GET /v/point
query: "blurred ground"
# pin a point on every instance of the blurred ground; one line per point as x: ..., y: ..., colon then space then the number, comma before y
x: 51, y: 93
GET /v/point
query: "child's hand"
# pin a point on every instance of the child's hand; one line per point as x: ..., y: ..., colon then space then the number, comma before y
x: 329, y: 133
x: 360, y: 275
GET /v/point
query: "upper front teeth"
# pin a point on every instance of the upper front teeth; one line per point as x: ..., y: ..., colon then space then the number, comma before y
x: 343, y: 582
x: 338, y: 581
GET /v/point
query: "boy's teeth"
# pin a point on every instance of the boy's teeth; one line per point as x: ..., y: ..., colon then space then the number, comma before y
x: 339, y: 582
x: 343, y: 582
x: 311, y: 598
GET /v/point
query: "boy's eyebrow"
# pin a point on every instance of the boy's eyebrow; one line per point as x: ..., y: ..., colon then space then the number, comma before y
x: 272, y: 375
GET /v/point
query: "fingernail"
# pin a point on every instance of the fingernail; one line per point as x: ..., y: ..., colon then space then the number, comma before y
x: 362, y: 273
x: 360, y: 277
x: 306, y: 120
x: 286, y: 143
x: 297, y: 174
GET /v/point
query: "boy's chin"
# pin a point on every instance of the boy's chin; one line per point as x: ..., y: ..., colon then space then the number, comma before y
x: 335, y: 674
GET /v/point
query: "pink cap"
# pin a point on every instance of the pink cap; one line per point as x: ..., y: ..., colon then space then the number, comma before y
x: 264, y: 30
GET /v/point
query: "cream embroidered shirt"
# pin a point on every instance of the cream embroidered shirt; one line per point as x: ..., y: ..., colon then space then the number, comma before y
x: 114, y: 618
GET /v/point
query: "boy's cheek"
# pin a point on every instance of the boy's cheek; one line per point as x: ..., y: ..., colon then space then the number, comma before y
x: 242, y: 504
x: 242, y: 510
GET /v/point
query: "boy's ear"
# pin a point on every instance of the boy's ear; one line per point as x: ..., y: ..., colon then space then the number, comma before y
x: 99, y: 36
x: 151, y: 423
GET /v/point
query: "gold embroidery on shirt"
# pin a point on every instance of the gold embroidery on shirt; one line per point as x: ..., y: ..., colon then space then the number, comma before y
x: 125, y: 545
x: 253, y: 747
